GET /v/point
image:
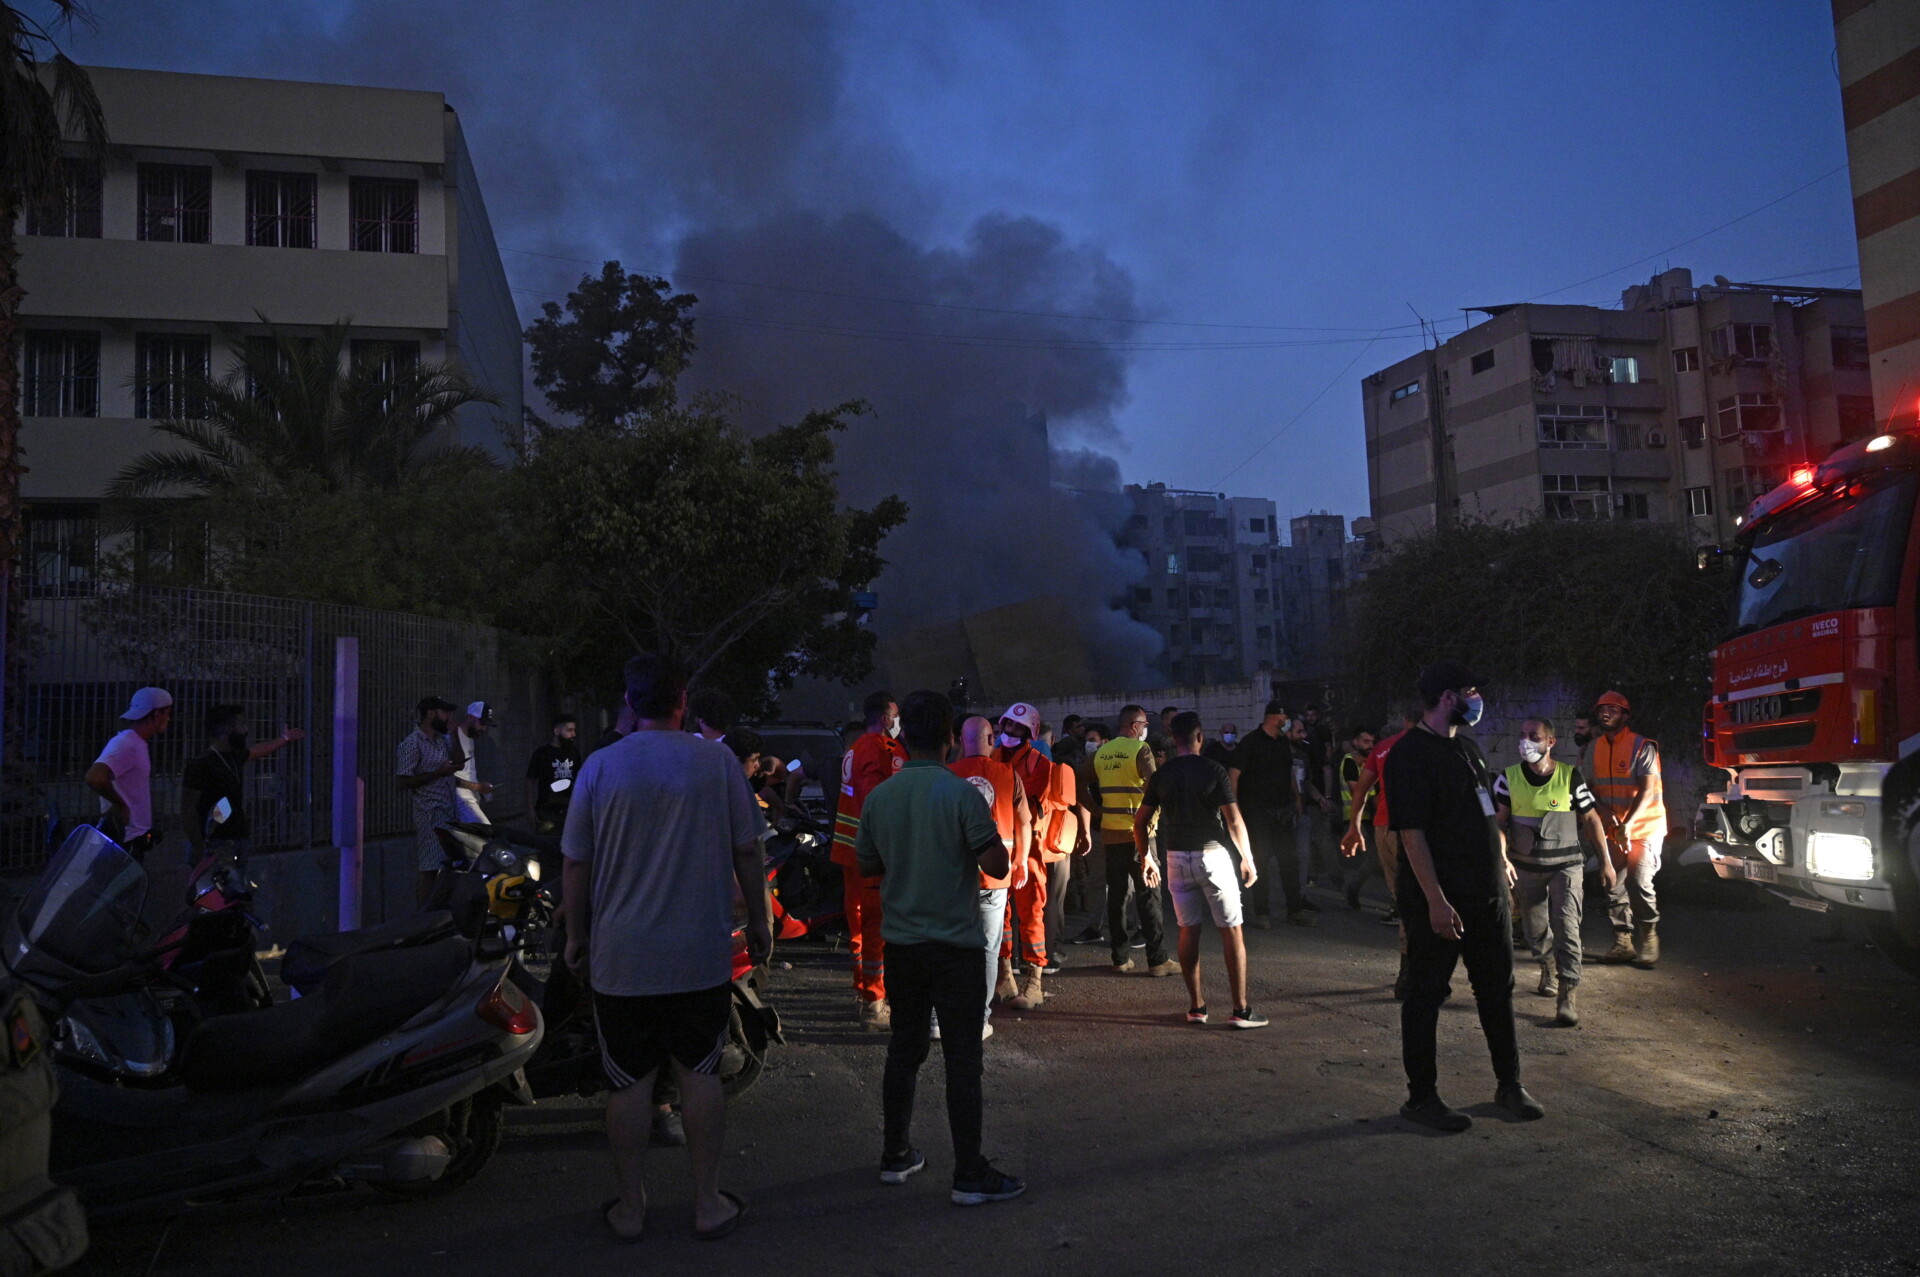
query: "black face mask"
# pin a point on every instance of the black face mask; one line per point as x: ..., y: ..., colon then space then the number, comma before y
x: 236, y: 741
x: 439, y: 725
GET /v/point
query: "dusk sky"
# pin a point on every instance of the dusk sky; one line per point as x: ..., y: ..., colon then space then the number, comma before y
x: 1279, y: 187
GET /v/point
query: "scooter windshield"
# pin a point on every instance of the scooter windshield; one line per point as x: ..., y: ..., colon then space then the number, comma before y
x: 84, y: 913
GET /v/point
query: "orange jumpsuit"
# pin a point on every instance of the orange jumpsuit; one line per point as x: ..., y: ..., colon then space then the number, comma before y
x: 874, y: 757
x: 1049, y: 791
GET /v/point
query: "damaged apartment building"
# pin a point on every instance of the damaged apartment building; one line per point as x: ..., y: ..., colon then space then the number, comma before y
x: 1682, y: 406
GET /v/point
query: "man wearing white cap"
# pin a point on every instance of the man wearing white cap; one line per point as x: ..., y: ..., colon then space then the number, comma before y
x: 123, y: 774
x: 469, y: 791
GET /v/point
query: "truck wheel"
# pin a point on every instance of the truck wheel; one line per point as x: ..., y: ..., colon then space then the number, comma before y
x: 1887, y: 938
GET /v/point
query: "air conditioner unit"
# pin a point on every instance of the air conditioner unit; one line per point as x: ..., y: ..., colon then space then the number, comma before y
x: 1656, y: 438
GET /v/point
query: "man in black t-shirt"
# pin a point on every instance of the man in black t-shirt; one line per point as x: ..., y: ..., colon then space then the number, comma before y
x: 1262, y: 775
x: 1199, y: 822
x: 221, y: 772
x: 1453, y: 894
x: 550, y: 773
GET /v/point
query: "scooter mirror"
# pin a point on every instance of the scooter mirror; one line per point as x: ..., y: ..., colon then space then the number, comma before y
x: 221, y: 812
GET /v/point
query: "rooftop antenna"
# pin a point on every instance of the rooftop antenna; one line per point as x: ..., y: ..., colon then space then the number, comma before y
x: 1423, y: 329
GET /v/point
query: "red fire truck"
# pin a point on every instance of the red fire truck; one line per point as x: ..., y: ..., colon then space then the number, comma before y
x: 1816, y: 693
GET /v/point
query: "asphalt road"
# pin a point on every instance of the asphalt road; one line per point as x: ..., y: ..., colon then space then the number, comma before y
x: 1749, y: 1107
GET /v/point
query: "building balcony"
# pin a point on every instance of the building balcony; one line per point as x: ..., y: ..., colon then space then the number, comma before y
x: 135, y: 280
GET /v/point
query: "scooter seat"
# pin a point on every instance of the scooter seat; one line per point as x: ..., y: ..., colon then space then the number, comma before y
x: 363, y: 996
x: 308, y: 959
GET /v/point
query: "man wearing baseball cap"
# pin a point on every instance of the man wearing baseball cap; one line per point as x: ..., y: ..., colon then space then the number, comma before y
x: 469, y: 791
x: 1454, y: 895
x: 123, y: 774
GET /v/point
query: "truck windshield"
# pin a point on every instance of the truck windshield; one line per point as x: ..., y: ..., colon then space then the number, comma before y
x: 1831, y: 554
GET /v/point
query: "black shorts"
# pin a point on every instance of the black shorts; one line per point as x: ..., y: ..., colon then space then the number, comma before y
x: 637, y: 1035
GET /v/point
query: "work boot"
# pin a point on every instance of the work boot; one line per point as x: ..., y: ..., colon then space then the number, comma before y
x: 1549, y: 979
x: 1030, y: 994
x: 876, y: 1016
x: 1647, y: 941
x: 1004, y: 989
x: 1622, y: 951
x: 1567, y: 1014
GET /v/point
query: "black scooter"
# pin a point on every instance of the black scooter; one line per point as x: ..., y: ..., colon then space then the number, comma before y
x: 391, y: 1070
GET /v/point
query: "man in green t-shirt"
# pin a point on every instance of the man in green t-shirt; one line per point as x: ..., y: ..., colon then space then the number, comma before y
x: 928, y: 836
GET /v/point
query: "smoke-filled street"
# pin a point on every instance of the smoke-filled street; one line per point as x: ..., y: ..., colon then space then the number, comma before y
x: 1749, y: 1107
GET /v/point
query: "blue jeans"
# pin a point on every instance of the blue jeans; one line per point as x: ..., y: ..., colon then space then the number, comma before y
x: 993, y: 920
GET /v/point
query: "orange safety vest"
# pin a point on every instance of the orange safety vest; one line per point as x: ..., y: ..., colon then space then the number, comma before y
x: 1051, y: 792
x: 995, y: 781
x: 874, y: 757
x: 1614, y: 783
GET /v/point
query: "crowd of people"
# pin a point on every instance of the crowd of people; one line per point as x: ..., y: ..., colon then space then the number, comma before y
x: 965, y: 842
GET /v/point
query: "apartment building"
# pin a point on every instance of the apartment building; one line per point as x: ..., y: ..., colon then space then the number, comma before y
x: 1212, y: 583
x: 1877, y: 43
x: 1318, y: 565
x: 222, y: 200
x: 1681, y: 407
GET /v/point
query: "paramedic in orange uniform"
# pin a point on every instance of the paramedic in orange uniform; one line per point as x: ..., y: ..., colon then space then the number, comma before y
x: 1050, y: 801
x: 1006, y: 798
x: 875, y: 757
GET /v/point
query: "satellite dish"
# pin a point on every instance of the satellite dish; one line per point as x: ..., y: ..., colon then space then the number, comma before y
x: 1722, y: 281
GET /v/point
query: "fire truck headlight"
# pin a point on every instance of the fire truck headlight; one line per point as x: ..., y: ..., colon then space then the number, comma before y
x: 1847, y: 856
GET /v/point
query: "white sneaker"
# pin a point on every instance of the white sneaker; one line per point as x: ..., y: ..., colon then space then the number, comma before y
x: 986, y: 1030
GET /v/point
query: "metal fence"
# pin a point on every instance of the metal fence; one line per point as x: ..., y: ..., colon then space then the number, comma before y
x: 273, y: 656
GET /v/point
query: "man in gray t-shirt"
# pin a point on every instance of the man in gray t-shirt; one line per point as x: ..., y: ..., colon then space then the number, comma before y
x: 661, y: 829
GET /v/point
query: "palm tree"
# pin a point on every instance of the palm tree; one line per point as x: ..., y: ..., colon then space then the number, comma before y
x: 46, y: 100
x: 297, y: 408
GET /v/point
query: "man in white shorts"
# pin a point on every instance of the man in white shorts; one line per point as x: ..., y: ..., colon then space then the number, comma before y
x: 1199, y: 822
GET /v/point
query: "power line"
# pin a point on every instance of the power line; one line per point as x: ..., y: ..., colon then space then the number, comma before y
x: 1338, y: 377
x: 1641, y: 261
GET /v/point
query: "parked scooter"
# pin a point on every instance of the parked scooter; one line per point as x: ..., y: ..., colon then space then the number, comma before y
x: 392, y: 1071
x: 508, y: 861
x: 802, y: 878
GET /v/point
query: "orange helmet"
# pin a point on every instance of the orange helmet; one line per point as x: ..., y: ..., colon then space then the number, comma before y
x: 1614, y: 699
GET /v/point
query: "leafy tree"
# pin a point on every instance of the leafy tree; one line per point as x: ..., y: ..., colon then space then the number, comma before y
x: 616, y: 350
x: 678, y: 533
x: 297, y: 408
x: 1588, y: 605
x: 46, y: 101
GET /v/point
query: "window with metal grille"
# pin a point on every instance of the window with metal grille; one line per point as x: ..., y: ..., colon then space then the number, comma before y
x: 1577, y: 496
x: 280, y: 210
x: 1743, y: 343
x: 176, y: 203
x: 1631, y: 505
x: 1745, y: 414
x: 1849, y: 346
x: 60, y: 375
x: 1700, y: 502
x: 1857, y: 420
x: 62, y: 550
x: 1745, y: 484
x: 168, y: 370
x: 75, y: 214
x: 386, y: 215
x: 1570, y: 426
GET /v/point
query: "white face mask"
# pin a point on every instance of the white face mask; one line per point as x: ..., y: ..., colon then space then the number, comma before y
x: 894, y: 730
x: 1532, y: 751
x: 1093, y: 747
x: 1229, y: 738
x: 1009, y: 742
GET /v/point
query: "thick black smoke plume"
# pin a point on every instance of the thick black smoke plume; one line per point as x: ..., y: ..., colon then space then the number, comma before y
x: 715, y: 141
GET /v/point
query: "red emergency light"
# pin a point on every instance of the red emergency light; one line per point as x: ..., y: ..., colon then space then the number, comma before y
x: 1802, y: 476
